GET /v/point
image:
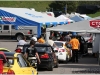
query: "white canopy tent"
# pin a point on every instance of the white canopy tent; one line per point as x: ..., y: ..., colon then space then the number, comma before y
x: 82, y: 26
x: 62, y: 17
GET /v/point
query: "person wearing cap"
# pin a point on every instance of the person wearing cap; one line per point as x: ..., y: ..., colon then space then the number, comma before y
x: 34, y: 39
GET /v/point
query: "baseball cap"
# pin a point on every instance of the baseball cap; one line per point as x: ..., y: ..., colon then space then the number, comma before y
x: 34, y: 38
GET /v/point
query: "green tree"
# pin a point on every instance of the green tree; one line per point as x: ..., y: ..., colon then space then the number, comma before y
x: 60, y: 6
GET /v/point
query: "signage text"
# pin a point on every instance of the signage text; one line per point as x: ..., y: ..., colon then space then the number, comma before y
x: 9, y: 19
x: 95, y: 23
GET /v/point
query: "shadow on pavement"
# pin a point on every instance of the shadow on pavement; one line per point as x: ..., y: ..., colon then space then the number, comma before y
x: 42, y: 69
x: 78, y: 66
x: 86, y: 65
x: 87, y: 71
x: 84, y: 62
x: 8, y: 41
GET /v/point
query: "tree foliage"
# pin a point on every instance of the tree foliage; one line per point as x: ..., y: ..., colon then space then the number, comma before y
x: 71, y: 5
x: 60, y: 5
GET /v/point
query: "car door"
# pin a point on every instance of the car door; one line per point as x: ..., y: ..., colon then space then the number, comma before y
x: 6, y: 30
x: 25, y: 68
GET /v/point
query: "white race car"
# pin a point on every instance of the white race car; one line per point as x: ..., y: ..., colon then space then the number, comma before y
x: 61, y: 51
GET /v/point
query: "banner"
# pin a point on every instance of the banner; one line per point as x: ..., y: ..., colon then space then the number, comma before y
x: 95, y: 23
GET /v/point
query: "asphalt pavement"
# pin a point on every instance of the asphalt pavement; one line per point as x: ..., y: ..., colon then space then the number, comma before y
x: 87, y: 64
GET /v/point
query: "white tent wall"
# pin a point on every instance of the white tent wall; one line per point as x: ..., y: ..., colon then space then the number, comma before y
x: 47, y: 34
x: 96, y: 42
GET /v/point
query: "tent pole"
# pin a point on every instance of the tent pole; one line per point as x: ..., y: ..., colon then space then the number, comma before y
x: 39, y: 30
x: 47, y: 34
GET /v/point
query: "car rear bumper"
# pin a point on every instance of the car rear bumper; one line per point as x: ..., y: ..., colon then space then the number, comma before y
x: 62, y: 56
x: 44, y: 63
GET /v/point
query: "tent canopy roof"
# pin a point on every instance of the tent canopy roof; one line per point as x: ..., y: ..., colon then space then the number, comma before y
x: 62, y: 17
x: 32, y: 15
x: 82, y: 26
x: 77, y: 18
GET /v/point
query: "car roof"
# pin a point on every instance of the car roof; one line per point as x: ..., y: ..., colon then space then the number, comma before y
x: 60, y: 41
x: 40, y: 44
x: 9, y: 54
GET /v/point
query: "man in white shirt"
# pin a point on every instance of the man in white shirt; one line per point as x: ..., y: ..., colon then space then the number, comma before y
x: 22, y: 42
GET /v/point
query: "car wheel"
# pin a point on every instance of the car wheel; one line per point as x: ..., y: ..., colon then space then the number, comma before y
x: 50, y: 67
x: 19, y: 37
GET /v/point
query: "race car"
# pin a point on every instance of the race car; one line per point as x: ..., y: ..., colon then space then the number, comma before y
x: 62, y: 51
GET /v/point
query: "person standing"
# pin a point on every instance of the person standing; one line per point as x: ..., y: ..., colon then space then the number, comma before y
x: 67, y: 38
x: 2, y: 61
x: 31, y: 51
x: 21, y: 42
x: 75, y: 47
x: 51, y: 42
x: 41, y: 40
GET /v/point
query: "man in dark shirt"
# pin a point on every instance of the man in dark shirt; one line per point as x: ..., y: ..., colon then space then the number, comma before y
x: 67, y: 37
x: 31, y: 50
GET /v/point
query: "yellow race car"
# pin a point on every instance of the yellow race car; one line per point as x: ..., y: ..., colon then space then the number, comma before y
x: 18, y: 65
x: 4, y: 50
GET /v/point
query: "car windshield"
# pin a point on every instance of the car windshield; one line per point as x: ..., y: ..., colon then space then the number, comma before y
x: 59, y: 44
x: 10, y: 61
x: 22, y: 61
x: 43, y: 49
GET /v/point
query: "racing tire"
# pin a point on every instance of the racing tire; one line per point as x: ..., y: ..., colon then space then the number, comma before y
x: 50, y: 67
x: 19, y: 37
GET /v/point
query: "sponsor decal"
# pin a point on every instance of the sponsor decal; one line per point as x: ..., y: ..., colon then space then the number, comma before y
x: 95, y: 23
x: 33, y: 15
x: 9, y: 19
